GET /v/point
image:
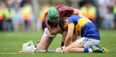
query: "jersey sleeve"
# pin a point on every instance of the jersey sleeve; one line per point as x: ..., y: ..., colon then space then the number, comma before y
x: 70, y: 21
x: 65, y: 11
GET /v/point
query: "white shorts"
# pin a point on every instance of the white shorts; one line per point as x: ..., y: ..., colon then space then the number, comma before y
x: 88, y: 42
x: 47, y: 33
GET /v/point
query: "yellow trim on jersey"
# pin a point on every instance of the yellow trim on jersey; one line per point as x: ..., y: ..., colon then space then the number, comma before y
x: 71, y: 24
x: 81, y: 22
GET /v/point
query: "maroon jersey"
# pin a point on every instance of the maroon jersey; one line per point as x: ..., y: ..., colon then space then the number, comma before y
x: 64, y: 11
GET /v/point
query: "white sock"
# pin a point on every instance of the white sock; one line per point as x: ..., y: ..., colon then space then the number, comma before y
x: 90, y: 50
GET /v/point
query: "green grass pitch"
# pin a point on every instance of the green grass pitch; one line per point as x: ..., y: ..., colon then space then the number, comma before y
x: 11, y: 42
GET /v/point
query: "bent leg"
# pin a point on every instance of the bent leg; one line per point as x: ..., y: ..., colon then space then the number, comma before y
x: 79, y: 50
x: 73, y: 45
x: 81, y: 45
x: 77, y: 47
x: 45, y: 41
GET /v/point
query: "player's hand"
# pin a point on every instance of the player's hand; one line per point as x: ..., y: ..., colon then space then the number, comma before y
x: 59, y: 50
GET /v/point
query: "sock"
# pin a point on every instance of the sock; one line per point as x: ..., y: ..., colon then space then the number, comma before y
x: 88, y: 50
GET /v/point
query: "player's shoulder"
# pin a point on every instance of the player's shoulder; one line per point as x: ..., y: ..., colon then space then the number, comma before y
x: 59, y: 6
x: 75, y: 17
x: 62, y: 7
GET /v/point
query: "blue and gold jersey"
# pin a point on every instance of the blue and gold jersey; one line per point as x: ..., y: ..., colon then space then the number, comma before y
x: 84, y: 26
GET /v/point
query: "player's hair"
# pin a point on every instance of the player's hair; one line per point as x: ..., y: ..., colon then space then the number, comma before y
x: 61, y: 24
x: 50, y: 23
x: 43, y: 25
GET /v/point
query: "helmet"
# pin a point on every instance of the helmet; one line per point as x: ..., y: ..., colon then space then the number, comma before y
x: 53, y: 14
x: 28, y: 47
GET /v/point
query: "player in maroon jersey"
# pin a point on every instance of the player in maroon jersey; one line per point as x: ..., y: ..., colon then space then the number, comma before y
x: 59, y: 12
x: 55, y: 26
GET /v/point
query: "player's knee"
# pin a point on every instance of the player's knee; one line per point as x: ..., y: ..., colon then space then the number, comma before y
x: 40, y: 47
x: 66, y: 49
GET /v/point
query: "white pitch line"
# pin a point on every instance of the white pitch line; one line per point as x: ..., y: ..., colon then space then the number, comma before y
x: 8, y: 53
x: 13, y: 53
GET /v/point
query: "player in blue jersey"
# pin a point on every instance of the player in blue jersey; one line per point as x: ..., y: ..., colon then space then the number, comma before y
x: 90, y: 38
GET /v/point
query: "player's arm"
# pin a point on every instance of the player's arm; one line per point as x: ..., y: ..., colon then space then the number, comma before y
x: 69, y: 34
x: 75, y: 36
x: 63, y: 38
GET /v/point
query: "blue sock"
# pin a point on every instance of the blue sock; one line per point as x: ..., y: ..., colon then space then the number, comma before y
x: 86, y: 50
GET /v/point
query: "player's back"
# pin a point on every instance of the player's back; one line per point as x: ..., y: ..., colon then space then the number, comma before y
x: 85, y: 27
